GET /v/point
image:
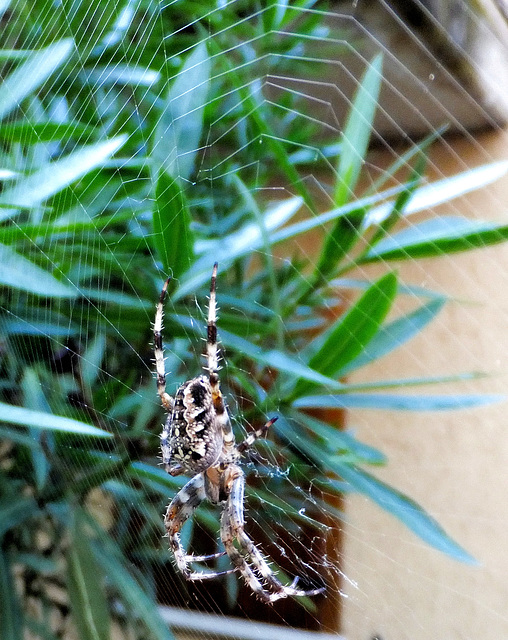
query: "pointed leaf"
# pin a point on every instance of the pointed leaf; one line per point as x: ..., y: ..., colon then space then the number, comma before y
x: 29, y: 133
x: 354, y: 142
x: 353, y: 332
x: 11, y: 620
x: 444, y: 190
x: 404, y: 509
x: 32, y: 74
x: 357, y: 131
x: 172, y: 232
x: 85, y: 586
x: 27, y: 417
x: 34, y: 189
x: 35, y: 279
x: 179, y: 131
x: 399, y: 505
x: 395, y: 334
x: 272, y: 358
x: 135, y: 598
x: 439, y: 236
x: 237, y: 244
x: 394, y: 402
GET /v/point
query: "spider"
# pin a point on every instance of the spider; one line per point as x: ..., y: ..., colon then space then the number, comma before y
x: 198, y: 440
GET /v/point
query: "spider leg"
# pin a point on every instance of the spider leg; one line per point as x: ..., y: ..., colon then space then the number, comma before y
x: 166, y: 399
x: 255, y: 435
x: 247, y: 558
x: 178, y: 512
x: 213, y: 368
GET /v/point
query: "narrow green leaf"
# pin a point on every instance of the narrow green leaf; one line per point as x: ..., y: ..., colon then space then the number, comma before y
x: 354, y: 142
x: 357, y: 131
x: 135, y: 598
x: 139, y: 76
x: 29, y: 418
x: 34, y: 189
x: 436, y: 193
x: 272, y: 358
x: 237, y: 244
x: 11, y: 620
x: 36, y: 132
x: 404, y: 509
x: 172, y: 232
x: 342, y: 239
x: 34, y: 398
x: 92, y: 359
x: 318, y: 221
x: 32, y: 74
x: 336, y: 439
x: 394, y: 402
x: 399, y: 505
x: 178, y: 134
x: 439, y: 236
x: 395, y: 334
x: 15, y: 510
x: 35, y: 279
x: 352, y: 333
x: 85, y: 586
x: 89, y: 22
x: 402, y: 201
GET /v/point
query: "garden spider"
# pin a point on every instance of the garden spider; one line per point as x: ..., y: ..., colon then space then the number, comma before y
x: 197, y: 439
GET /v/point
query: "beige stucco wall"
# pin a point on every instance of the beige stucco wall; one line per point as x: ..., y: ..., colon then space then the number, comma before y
x: 453, y: 463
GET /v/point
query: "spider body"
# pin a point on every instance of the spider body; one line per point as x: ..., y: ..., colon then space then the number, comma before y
x: 191, y: 436
x: 197, y: 439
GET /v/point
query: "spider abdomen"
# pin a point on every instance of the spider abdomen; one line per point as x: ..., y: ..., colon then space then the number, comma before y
x: 191, y: 437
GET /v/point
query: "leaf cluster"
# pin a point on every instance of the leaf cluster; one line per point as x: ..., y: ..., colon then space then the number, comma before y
x: 133, y: 154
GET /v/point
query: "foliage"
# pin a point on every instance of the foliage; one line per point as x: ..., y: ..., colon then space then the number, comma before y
x: 108, y: 187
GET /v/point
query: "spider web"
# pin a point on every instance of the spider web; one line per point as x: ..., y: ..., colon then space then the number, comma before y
x: 382, y: 580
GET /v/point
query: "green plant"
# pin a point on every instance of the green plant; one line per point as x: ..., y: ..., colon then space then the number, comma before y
x: 103, y: 198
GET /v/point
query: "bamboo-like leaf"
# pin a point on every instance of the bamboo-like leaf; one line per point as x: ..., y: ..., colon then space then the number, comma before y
x: 14, y: 510
x: 269, y: 358
x: 35, y: 279
x: 32, y: 73
x: 237, y: 244
x: 409, y: 512
x: 140, y: 606
x: 397, y: 402
x: 354, y: 142
x: 34, y: 398
x: 11, y: 620
x: 92, y: 359
x: 172, y: 232
x: 34, y: 189
x: 178, y: 133
x: 395, y: 334
x: 27, y: 417
x: 435, y: 237
x: 396, y: 503
x: 402, y: 201
x: 441, y: 191
x: 337, y: 439
x: 29, y: 133
x: 357, y: 131
x: 85, y: 578
x: 349, y: 336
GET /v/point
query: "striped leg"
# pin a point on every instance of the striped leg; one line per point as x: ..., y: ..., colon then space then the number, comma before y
x: 213, y: 368
x: 167, y: 400
x: 178, y: 512
x: 247, y: 558
x: 255, y: 435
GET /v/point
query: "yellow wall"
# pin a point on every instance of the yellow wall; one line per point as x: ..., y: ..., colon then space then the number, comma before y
x: 455, y: 464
